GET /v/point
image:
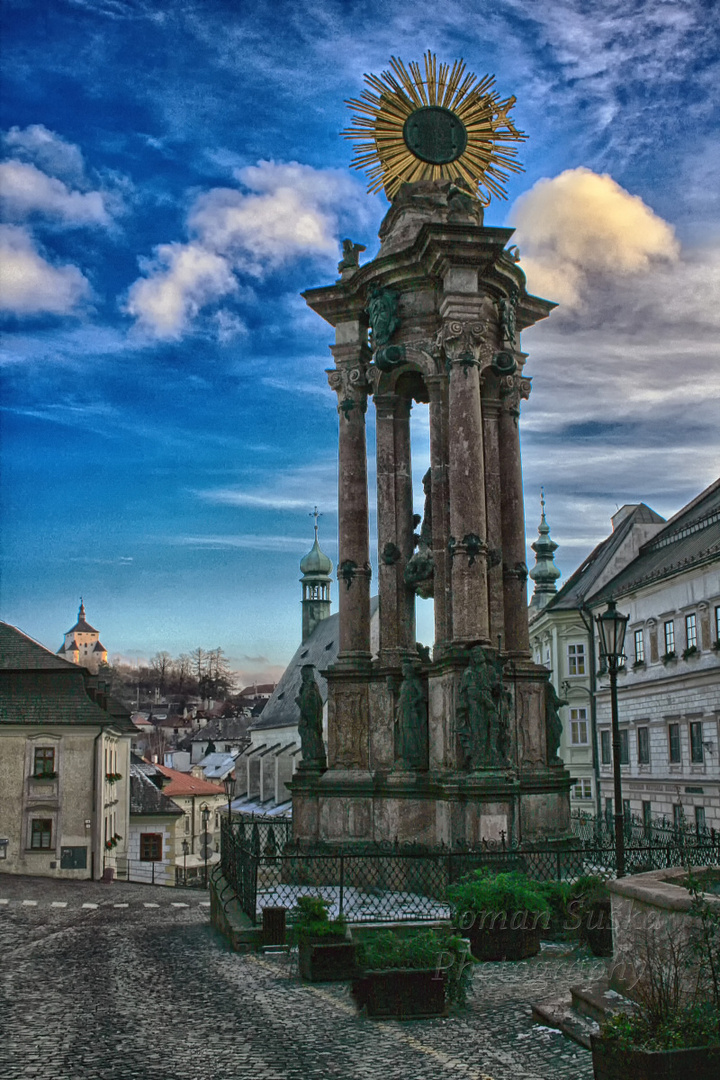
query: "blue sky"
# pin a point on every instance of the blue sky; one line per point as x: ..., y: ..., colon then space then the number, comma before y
x: 172, y: 178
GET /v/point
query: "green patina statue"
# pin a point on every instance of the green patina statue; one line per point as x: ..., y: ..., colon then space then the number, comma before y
x: 553, y: 704
x: 310, y: 703
x: 411, y: 722
x: 483, y: 713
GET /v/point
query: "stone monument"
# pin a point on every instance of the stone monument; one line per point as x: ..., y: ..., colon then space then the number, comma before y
x: 455, y: 748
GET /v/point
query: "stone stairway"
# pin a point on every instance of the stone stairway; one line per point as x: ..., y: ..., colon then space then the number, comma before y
x: 580, y: 1013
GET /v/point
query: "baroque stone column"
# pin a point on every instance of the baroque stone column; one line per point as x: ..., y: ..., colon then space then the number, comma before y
x: 515, y: 572
x: 395, y: 527
x: 442, y: 596
x: 493, y: 505
x: 349, y: 382
x: 468, y: 543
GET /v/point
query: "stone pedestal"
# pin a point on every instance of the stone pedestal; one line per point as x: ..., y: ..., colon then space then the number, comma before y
x: 434, y: 318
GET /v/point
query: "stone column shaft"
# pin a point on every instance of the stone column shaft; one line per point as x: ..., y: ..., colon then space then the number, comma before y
x: 438, y: 410
x: 395, y: 531
x: 493, y: 505
x: 353, y: 523
x: 467, y: 505
x: 515, y: 573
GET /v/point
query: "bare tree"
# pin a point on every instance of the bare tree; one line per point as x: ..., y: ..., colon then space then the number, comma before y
x: 161, y: 664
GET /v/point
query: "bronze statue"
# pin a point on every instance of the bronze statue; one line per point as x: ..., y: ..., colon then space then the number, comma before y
x: 554, y: 726
x: 411, y: 721
x: 382, y: 309
x: 310, y: 703
x: 351, y: 256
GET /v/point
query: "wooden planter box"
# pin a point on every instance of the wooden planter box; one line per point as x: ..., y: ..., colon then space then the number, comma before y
x: 596, y: 929
x: 327, y: 961
x: 504, y: 944
x: 697, y: 1063
x: 402, y: 994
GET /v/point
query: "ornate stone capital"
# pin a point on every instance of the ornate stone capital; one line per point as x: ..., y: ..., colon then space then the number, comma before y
x: 513, y: 389
x: 351, y: 386
x: 465, y: 341
x: 471, y: 546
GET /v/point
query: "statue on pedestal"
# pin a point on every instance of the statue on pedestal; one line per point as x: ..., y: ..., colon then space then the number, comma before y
x: 483, y: 713
x: 411, y: 722
x: 553, y: 704
x: 310, y: 704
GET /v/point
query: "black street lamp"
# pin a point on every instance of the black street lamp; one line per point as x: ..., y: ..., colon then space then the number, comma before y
x: 186, y: 852
x: 229, y: 785
x: 611, y: 627
x: 205, y: 815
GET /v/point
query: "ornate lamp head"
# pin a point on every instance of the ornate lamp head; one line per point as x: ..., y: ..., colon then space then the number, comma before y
x: 446, y: 125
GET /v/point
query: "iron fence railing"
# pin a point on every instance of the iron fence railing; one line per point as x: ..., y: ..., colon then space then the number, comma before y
x: 393, y: 882
x: 640, y: 831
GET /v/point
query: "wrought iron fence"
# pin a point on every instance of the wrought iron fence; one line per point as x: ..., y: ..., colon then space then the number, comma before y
x: 273, y: 832
x: 639, y: 831
x: 392, y: 882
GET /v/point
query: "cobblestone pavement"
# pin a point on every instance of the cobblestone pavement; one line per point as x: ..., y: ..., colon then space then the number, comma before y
x: 153, y: 993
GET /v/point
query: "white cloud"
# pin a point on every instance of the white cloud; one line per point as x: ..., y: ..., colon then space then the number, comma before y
x: 181, y: 280
x: 580, y: 228
x: 284, y: 211
x: 48, y: 151
x: 25, y: 191
x: 29, y: 284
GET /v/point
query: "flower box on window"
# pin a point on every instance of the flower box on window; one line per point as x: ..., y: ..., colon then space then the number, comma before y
x: 44, y: 776
x: 668, y: 656
x: 692, y: 650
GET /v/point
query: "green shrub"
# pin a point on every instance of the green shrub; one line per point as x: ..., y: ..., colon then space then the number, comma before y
x: 557, y: 896
x: 311, y: 920
x: 427, y: 950
x: 497, y: 897
x: 694, y: 1025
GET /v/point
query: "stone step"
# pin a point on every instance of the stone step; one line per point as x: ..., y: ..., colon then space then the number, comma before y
x: 560, y: 1014
x: 598, y: 1000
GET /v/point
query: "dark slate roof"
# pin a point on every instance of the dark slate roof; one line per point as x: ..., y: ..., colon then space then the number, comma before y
x: 690, y: 538
x: 146, y: 798
x: 20, y: 652
x: 321, y: 649
x: 37, y: 687
x: 82, y: 627
x: 580, y: 585
x: 225, y: 729
x: 99, y: 647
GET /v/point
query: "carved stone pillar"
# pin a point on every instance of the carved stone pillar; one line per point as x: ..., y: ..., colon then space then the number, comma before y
x: 467, y: 484
x: 395, y: 530
x: 353, y: 528
x: 493, y: 506
x: 442, y: 597
x: 517, y: 639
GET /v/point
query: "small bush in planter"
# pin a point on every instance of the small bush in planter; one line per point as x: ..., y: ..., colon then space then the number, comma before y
x: 557, y: 895
x: 325, y: 953
x: 590, y: 911
x: 503, y: 914
x: 414, y: 975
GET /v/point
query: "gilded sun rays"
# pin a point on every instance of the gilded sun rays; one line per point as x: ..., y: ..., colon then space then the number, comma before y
x: 447, y: 124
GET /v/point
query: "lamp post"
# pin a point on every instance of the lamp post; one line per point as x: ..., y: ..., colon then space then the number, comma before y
x: 611, y: 627
x: 229, y: 785
x: 186, y: 852
x: 205, y: 815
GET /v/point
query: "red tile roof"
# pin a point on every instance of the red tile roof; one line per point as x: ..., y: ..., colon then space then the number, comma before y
x: 184, y: 784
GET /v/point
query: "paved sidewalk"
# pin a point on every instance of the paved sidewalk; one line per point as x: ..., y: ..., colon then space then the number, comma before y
x: 152, y: 993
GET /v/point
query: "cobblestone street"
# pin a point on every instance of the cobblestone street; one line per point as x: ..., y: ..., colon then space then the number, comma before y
x: 128, y: 991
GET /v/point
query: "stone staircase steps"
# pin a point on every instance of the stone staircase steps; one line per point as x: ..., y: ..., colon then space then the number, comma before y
x: 580, y: 1013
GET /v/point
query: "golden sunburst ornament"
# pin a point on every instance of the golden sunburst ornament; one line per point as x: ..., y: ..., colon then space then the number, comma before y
x: 446, y: 125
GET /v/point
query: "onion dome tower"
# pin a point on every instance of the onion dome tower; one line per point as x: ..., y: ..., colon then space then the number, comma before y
x: 316, y: 570
x: 544, y: 573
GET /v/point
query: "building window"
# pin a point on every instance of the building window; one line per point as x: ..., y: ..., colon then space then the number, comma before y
x: 696, y: 743
x: 150, y: 847
x: 627, y: 812
x: 643, y: 743
x: 674, y: 743
x: 41, y: 834
x: 605, y: 751
x: 624, y: 748
x: 691, y: 631
x: 187, y: 824
x: 576, y: 659
x: 647, y: 816
x: 717, y: 623
x: 609, y: 813
x: 44, y: 763
x: 700, y: 824
x: 678, y: 816
x: 583, y: 789
x: 639, y: 647
x: 669, y: 637
x: 578, y: 727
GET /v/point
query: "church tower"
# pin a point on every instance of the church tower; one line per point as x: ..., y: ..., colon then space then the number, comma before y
x: 544, y: 573
x: 82, y: 644
x: 316, y: 569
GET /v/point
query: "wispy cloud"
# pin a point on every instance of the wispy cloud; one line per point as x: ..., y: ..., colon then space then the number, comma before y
x: 250, y: 541
x: 30, y: 284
